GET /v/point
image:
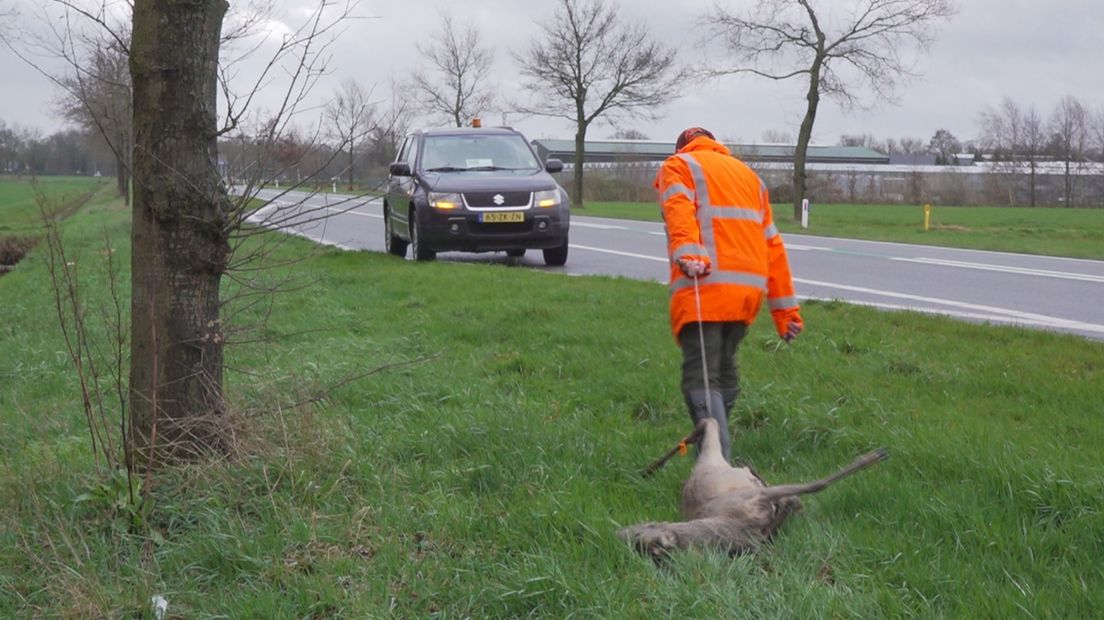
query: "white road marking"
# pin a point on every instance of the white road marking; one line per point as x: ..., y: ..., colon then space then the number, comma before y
x: 598, y: 226
x: 942, y: 247
x: 378, y: 216
x: 1015, y: 315
x: 1067, y: 275
x: 1049, y: 273
x: 618, y: 253
x: 960, y: 309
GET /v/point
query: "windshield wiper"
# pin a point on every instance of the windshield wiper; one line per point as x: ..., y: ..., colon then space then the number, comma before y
x: 447, y: 169
x: 492, y: 168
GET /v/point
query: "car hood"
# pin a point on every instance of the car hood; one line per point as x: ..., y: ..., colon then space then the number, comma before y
x: 497, y: 180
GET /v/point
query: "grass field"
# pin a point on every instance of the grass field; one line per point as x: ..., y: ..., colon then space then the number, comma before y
x: 487, y: 481
x: 19, y: 211
x: 1075, y: 233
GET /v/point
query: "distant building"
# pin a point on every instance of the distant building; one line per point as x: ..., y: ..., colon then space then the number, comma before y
x: 609, y: 151
x: 963, y: 159
x: 912, y: 159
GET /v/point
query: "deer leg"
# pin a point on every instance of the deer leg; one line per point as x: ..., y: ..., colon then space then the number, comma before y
x: 776, y: 493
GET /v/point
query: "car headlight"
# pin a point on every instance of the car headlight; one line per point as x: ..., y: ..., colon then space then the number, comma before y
x: 445, y: 201
x: 547, y: 198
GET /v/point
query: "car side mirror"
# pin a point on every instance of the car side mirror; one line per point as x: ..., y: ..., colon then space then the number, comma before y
x: 553, y: 165
x: 399, y: 169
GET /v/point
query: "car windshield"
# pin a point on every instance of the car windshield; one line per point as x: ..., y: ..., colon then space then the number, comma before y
x: 477, y: 152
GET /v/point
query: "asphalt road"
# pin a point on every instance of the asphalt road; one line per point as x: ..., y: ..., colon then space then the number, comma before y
x: 1060, y: 294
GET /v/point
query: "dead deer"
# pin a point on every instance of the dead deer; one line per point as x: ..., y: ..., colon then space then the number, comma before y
x: 725, y: 507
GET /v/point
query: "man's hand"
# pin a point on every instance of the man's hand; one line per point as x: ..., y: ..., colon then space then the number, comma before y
x: 792, y: 330
x: 788, y: 323
x: 693, y: 268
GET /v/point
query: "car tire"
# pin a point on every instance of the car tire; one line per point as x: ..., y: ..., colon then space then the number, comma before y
x: 394, y: 244
x: 515, y: 253
x: 421, y: 250
x: 557, y: 256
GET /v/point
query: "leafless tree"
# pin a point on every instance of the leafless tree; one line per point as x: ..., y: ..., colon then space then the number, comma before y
x: 350, y: 116
x: 910, y: 146
x: 1068, y: 127
x: 865, y: 139
x: 832, y: 49
x: 777, y: 136
x: 629, y: 134
x: 1016, y: 138
x: 1096, y: 134
x: 587, y: 64
x: 1002, y: 134
x: 457, y: 87
x: 393, y: 116
x: 96, y: 97
x: 186, y: 227
x: 10, y: 146
x: 1034, y: 143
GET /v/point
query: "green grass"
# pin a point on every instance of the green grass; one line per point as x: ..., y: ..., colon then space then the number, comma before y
x: 1077, y: 233
x: 19, y: 211
x: 488, y: 481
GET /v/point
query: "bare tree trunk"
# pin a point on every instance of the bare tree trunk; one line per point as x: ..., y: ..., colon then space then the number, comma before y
x: 122, y: 179
x: 351, y: 164
x: 1031, y: 182
x: 804, y: 136
x: 179, y: 237
x: 1068, y: 182
x: 577, y: 180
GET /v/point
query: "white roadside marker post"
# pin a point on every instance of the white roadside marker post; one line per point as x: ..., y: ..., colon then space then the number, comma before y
x: 805, y: 213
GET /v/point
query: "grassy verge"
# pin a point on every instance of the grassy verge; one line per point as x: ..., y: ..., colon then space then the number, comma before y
x: 1077, y: 233
x: 18, y: 210
x: 488, y: 480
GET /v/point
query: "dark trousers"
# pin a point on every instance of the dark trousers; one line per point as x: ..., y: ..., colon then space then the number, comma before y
x: 722, y: 340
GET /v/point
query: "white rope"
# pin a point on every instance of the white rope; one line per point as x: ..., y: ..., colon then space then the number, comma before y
x: 701, y: 340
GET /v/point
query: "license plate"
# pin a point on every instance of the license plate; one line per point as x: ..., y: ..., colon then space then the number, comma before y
x: 505, y: 216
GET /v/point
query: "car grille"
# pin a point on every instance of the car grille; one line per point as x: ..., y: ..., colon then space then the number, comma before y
x: 486, y: 199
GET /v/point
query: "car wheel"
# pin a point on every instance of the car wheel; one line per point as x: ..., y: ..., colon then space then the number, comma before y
x: 557, y: 256
x: 421, y: 250
x: 515, y: 253
x: 395, y: 245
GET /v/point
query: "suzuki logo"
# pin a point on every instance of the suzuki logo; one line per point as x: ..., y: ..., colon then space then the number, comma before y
x: 498, y: 199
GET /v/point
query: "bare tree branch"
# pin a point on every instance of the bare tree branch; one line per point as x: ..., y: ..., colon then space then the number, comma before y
x: 589, y: 64
x: 457, y: 88
x: 863, y: 46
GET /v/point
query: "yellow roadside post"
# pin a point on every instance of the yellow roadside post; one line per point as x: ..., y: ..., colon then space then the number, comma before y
x: 927, y: 216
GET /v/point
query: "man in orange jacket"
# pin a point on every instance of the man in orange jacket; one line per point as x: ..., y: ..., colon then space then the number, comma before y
x: 726, y: 255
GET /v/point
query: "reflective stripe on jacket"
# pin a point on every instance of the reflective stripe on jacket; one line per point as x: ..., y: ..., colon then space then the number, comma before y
x: 717, y: 210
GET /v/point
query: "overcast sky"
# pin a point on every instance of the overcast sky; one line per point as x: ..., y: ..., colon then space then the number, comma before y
x: 1035, y: 51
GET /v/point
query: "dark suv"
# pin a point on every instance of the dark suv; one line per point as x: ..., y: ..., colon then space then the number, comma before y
x: 474, y: 190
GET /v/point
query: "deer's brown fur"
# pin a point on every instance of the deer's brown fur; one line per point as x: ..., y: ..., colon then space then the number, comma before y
x: 728, y: 508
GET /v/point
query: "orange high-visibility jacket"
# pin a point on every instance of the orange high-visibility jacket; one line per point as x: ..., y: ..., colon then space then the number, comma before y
x: 717, y: 210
